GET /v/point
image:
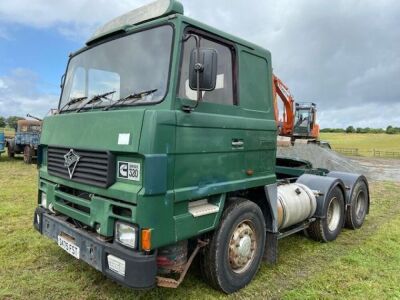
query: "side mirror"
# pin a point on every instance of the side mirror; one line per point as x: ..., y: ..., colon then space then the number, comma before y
x: 204, y: 63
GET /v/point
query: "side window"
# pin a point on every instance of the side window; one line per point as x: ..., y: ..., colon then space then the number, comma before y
x: 223, y: 93
x: 253, y: 71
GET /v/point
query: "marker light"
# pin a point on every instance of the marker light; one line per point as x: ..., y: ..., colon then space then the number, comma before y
x: 146, y: 239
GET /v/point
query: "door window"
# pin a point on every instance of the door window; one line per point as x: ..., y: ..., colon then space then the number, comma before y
x: 223, y: 92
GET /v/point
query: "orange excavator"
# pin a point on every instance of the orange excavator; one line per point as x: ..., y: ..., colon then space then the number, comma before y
x: 299, y: 120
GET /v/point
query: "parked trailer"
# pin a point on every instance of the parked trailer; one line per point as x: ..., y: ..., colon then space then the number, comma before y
x: 169, y: 152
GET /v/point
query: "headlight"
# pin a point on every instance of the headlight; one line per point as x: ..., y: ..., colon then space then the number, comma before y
x: 126, y: 234
x: 43, y: 200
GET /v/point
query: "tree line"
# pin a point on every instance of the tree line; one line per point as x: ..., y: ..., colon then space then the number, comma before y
x: 350, y: 129
x: 10, y: 122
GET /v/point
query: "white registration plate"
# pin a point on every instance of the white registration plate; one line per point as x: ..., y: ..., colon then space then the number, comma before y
x: 68, y: 246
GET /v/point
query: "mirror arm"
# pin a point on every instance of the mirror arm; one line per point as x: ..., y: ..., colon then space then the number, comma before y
x: 199, y: 68
x: 62, y: 81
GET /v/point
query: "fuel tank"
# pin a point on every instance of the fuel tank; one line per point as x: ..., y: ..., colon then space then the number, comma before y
x: 296, y: 203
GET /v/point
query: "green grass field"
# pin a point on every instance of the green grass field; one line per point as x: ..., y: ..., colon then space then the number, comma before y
x: 364, y: 142
x: 363, y: 264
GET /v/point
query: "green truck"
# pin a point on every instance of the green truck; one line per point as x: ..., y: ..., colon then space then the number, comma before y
x: 164, y: 150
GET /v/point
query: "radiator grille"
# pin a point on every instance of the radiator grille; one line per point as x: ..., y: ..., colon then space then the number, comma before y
x: 94, y: 167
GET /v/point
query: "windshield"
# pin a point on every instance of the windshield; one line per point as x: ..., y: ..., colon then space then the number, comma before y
x: 131, y: 64
x: 302, y: 117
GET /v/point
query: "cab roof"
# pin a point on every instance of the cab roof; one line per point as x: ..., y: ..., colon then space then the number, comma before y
x: 160, y: 10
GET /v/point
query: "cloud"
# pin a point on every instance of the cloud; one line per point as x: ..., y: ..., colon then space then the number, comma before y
x: 340, y: 54
x: 74, y: 18
x: 21, y: 93
x: 374, y: 115
x: 343, y: 55
x: 3, y: 85
x: 3, y: 34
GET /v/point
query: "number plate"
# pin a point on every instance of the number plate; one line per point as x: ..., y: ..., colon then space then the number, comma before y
x: 68, y: 246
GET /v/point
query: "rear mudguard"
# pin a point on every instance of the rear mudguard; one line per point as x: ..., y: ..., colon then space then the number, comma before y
x: 323, y: 185
x: 350, y: 180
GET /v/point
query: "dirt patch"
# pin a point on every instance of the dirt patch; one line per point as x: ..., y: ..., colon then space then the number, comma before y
x: 372, y: 168
x: 380, y: 168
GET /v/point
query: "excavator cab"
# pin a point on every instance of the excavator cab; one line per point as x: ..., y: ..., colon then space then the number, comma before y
x: 305, y: 125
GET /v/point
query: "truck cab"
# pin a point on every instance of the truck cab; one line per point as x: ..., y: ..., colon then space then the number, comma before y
x: 26, y: 140
x: 164, y: 147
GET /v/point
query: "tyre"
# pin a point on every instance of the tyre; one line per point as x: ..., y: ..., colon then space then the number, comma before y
x: 10, y: 152
x: 235, y: 249
x: 28, y: 153
x: 356, y: 213
x: 327, y: 229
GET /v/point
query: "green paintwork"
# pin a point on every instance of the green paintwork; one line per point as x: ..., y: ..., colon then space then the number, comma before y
x: 186, y: 156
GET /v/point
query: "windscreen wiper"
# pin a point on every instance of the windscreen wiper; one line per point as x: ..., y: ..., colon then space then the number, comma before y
x: 72, y: 101
x: 136, y: 96
x: 96, y: 99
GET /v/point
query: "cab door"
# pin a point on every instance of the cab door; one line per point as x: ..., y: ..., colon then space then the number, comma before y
x: 209, y: 140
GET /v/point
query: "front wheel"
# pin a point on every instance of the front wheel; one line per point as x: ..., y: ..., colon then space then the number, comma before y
x: 234, y: 253
x: 327, y: 229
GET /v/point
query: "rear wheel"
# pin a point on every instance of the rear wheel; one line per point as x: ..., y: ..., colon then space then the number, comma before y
x: 327, y: 229
x: 232, y: 257
x: 356, y: 213
x: 28, y: 153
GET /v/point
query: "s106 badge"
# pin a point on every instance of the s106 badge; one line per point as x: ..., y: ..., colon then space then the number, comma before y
x: 129, y: 170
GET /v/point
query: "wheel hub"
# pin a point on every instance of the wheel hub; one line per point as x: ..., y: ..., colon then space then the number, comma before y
x: 360, y: 202
x: 242, y: 247
x: 333, y: 214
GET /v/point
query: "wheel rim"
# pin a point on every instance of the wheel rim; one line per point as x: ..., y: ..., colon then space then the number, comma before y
x: 333, y: 215
x: 360, y: 204
x: 242, y: 246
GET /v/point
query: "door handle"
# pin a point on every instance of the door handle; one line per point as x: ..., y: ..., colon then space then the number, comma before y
x: 237, y: 143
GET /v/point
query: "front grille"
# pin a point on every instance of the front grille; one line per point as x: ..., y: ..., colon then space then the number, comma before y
x: 94, y: 167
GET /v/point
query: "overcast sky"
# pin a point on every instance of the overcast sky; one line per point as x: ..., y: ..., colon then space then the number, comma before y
x: 343, y: 55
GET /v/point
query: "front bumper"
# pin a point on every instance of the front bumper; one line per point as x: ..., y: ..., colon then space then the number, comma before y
x: 140, y: 270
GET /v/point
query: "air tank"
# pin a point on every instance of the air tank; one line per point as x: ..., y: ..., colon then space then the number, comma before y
x: 296, y: 203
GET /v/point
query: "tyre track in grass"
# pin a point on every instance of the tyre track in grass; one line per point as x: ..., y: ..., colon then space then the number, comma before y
x: 301, y: 258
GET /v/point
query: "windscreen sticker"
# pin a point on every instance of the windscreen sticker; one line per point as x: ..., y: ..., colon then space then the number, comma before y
x: 129, y: 170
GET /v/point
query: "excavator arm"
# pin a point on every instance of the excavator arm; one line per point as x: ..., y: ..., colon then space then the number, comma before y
x: 285, y: 124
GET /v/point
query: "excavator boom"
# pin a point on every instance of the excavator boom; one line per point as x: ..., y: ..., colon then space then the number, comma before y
x: 286, y: 124
x: 33, y: 117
